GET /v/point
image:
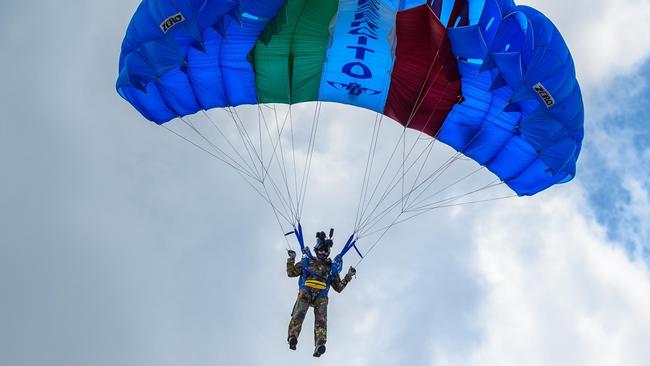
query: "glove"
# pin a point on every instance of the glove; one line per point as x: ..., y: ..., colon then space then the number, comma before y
x: 351, y: 272
x: 292, y: 254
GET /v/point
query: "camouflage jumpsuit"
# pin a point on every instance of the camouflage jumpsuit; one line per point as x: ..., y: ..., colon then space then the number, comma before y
x: 304, y: 301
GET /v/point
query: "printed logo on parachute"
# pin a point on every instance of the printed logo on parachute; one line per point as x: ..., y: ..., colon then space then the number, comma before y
x: 354, y: 88
x: 544, y: 94
x: 168, y: 23
x: 364, y: 30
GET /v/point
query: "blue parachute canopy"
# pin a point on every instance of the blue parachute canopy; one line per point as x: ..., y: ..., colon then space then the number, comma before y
x: 503, y: 90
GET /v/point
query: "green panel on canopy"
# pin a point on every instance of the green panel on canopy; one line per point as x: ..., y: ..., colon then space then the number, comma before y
x: 290, y: 54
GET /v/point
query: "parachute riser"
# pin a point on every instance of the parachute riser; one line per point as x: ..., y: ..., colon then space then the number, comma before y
x: 297, y: 231
x: 337, y: 266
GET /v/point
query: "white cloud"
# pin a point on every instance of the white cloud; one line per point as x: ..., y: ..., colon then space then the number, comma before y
x: 558, y: 293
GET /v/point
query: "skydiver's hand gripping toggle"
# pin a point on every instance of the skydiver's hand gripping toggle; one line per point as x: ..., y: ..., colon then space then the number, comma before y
x: 351, y: 272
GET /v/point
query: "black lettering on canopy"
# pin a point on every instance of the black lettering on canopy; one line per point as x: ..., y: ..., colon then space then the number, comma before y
x: 170, y: 22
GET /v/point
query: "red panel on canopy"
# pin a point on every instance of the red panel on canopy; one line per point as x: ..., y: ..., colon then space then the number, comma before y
x: 425, y: 81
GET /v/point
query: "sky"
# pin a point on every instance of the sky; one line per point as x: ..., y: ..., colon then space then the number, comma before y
x: 121, y: 245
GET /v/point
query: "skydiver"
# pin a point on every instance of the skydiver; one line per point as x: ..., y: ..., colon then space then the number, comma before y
x: 316, y: 276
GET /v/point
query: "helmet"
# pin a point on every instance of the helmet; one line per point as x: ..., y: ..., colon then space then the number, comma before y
x: 323, y: 245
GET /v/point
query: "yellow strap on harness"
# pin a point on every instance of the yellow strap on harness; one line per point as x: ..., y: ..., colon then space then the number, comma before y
x: 316, y: 284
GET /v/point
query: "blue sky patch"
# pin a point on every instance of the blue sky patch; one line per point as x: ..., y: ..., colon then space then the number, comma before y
x: 615, y: 166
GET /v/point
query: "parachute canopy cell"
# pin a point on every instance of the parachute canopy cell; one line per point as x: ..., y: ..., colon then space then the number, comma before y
x: 493, y: 80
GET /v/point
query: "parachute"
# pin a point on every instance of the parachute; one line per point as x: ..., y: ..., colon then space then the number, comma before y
x: 493, y: 80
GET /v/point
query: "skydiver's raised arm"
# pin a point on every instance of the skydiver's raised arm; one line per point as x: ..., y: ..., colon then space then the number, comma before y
x: 339, y: 284
x: 293, y: 269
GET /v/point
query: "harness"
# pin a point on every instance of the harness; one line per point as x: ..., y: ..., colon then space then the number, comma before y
x: 321, y: 284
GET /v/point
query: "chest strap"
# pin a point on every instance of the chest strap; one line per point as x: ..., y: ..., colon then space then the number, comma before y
x: 320, y: 284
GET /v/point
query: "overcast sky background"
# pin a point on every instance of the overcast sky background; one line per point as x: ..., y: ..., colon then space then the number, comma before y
x: 121, y: 245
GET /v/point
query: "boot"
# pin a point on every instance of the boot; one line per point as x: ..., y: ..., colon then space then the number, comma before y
x: 320, y: 349
x: 293, y: 341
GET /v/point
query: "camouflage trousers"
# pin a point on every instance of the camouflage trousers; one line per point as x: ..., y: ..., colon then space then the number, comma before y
x: 300, y: 309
